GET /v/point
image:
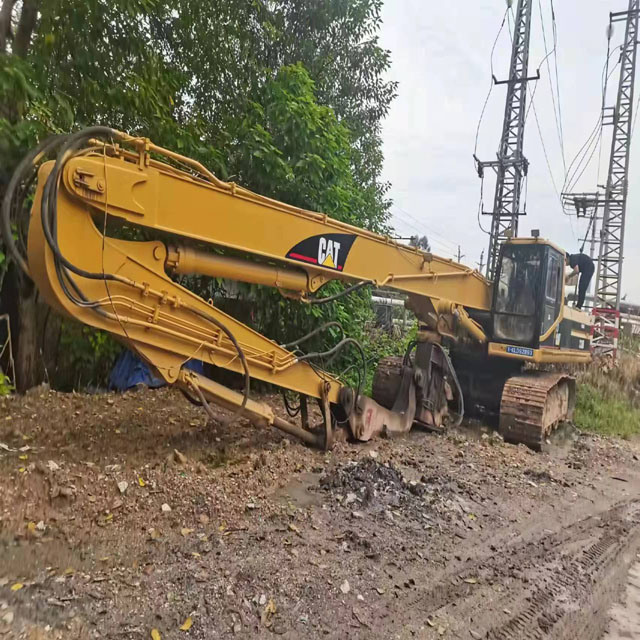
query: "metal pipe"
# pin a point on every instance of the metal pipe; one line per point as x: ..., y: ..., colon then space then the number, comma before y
x: 470, y: 325
x: 187, y: 260
x: 298, y: 432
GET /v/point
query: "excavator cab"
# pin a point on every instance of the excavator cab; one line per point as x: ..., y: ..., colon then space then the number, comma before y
x: 528, y: 293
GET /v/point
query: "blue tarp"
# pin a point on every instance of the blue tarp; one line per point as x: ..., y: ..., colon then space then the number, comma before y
x: 130, y: 371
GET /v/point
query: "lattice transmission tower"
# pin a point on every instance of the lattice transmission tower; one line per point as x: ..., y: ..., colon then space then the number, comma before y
x: 611, y: 255
x: 511, y: 166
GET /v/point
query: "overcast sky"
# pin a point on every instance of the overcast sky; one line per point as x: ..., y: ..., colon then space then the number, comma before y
x: 441, y: 58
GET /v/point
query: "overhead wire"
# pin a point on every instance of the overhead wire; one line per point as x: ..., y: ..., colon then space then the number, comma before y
x: 425, y: 226
x: 553, y: 92
x: 576, y: 171
x: 555, y: 60
x: 491, y: 84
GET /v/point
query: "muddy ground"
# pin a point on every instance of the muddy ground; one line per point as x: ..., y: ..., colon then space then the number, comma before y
x: 125, y: 514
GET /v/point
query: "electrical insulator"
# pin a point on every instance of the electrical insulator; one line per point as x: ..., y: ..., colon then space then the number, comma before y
x: 509, y: 4
x: 609, y: 31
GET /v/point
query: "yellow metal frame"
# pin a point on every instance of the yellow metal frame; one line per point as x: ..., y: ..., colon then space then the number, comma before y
x: 166, y: 323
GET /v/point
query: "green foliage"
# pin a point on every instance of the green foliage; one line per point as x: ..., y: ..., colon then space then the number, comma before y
x: 6, y: 385
x: 86, y: 356
x: 606, y: 414
x: 380, y: 344
x: 285, y: 98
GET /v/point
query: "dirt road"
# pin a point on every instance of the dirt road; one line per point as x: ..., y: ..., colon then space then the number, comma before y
x: 120, y: 515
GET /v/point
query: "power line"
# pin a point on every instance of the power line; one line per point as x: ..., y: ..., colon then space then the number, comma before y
x: 553, y: 98
x: 604, y: 94
x: 491, y: 85
x: 424, y: 225
x: 442, y: 247
x: 546, y: 157
x: 555, y: 61
x: 573, y: 175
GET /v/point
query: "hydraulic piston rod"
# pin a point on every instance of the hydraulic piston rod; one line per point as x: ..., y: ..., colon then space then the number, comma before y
x: 187, y: 260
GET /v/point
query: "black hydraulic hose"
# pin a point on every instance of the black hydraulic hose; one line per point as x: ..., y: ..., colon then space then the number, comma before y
x: 454, y: 375
x: 335, y: 350
x: 292, y: 411
x: 49, y: 199
x: 326, y: 325
x: 347, y: 291
x: 27, y: 163
x: 49, y: 203
x: 406, y: 361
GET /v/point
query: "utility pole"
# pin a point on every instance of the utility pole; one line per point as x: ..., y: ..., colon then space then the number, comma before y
x: 609, y: 273
x: 460, y: 256
x: 511, y: 166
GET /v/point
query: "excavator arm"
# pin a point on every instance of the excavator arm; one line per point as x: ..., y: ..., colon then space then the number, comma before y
x: 124, y: 283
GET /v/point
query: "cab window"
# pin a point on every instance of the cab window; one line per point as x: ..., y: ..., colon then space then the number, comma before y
x: 516, y: 294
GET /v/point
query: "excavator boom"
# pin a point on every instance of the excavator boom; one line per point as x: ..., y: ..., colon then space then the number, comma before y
x: 106, y: 191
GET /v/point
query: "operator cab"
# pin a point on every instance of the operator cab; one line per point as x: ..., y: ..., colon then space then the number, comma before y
x: 528, y: 293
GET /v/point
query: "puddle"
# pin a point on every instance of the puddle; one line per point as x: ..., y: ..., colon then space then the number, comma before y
x: 297, y: 491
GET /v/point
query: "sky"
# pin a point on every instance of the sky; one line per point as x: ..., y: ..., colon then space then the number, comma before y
x: 441, y: 58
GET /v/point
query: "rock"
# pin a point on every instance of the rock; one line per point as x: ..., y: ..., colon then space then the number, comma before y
x: 345, y: 587
x: 7, y: 618
x: 166, y: 508
x: 351, y: 497
x: 122, y: 486
x: 373, y: 454
x: 53, y: 466
x: 262, y: 600
x: 179, y: 457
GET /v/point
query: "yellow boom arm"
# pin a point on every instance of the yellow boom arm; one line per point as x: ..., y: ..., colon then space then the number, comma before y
x: 123, y: 286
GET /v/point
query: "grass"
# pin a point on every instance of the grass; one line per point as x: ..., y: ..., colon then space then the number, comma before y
x: 608, y: 401
x: 605, y: 414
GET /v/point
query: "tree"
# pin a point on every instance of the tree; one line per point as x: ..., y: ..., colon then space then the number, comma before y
x: 202, y: 78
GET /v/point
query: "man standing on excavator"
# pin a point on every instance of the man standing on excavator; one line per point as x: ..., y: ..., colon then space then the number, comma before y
x: 581, y: 263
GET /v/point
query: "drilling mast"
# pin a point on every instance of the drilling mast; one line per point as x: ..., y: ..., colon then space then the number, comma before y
x: 510, y: 166
x: 609, y: 272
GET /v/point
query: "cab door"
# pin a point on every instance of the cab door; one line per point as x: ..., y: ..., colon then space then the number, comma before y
x: 552, y: 296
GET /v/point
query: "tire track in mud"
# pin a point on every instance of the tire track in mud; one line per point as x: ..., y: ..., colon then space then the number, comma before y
x: 559, y: 585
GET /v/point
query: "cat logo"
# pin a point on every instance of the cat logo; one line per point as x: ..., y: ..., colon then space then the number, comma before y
x: 329, y: 250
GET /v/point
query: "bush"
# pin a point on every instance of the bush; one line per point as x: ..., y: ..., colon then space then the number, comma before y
x: 86, y: 357
x: 608, y: 400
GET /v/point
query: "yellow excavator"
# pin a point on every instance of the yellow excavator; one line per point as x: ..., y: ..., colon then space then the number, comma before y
x: 86, y: 244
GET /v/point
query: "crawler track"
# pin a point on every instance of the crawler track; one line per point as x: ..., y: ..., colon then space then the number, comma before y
x: 533, y: 404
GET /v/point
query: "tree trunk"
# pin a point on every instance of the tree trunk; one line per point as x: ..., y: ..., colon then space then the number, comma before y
x: 26, y: 25
x: 28, y: 362
x: 20, y: 301
x: 5, y: 23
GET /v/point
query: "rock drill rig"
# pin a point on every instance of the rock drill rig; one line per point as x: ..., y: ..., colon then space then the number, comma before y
x: 86, y: 246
